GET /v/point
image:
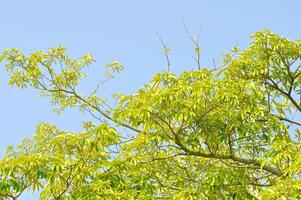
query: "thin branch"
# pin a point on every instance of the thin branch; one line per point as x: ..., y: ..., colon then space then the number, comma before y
x: 196, y: 42
x: 289, y: 120
x: 166, y: 50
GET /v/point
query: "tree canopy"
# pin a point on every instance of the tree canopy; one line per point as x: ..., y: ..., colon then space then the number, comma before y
x: 232, y: 132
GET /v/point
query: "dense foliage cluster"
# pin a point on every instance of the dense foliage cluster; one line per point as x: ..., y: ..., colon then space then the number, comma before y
x: 227, y: 133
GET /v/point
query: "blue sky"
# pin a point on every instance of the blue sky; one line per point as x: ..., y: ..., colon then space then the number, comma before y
x: 124, y: 31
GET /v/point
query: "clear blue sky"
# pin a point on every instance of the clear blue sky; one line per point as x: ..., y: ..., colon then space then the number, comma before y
x: 125, y: 31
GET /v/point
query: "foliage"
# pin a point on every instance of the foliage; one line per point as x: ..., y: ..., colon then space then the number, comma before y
x: 226, y: 133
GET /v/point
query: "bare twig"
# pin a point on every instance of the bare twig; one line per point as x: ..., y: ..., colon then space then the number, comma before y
x: 196, y: 42
x: 166, y: 50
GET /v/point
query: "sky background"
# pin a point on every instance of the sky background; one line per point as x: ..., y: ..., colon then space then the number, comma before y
x: 125, y: 31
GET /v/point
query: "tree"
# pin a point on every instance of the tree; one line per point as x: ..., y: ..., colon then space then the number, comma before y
x: 226, y: 133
